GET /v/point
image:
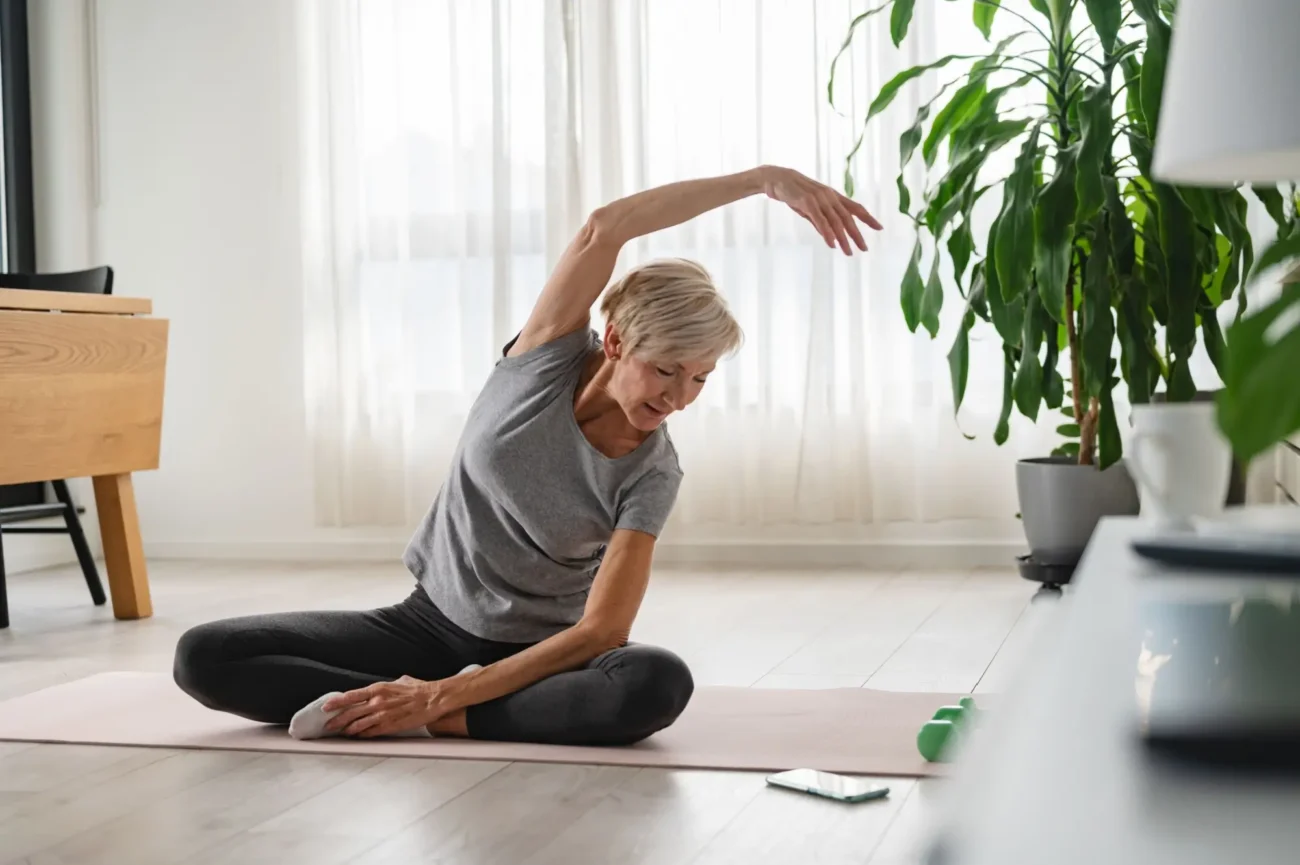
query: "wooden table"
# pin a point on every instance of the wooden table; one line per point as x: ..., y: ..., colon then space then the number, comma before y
x: 81, y: 395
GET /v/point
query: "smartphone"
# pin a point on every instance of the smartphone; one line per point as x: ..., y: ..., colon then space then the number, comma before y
x: 842, y: 788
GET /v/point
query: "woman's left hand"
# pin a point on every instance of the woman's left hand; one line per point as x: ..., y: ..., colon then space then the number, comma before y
x: 835, y: 216
x: 386, y: 708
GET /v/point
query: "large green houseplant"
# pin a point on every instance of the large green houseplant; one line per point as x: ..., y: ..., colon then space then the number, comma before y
x: 1086, y: 249
x: 1260, y: 402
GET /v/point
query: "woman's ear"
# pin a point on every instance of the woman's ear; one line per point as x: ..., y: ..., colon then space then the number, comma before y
x: 613, y: 343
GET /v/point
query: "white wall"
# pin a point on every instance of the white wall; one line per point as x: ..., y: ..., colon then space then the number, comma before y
x: 195, y: 204
x: 197, y: 209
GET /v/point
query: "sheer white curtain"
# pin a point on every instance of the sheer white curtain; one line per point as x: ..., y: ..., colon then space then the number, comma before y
x: 454, y: 147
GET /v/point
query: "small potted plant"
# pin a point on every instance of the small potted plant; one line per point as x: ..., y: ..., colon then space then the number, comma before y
x: 1086, y: 250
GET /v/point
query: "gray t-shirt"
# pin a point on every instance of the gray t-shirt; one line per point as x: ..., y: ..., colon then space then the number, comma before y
x: 513, y: 540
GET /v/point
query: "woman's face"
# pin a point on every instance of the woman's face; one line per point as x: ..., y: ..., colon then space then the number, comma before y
x: 649, y: 390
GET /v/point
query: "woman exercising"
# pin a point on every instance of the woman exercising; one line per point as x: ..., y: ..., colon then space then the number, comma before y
x: 533, y: 561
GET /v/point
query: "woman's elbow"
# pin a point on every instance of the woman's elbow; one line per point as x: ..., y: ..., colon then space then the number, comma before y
x: 602, y: 228
x: 601, y: 637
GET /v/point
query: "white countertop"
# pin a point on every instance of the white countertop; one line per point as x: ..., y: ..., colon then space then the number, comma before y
x: 1058, y: 775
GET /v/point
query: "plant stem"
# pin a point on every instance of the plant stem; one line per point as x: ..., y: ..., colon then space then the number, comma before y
x: 1088, y: 433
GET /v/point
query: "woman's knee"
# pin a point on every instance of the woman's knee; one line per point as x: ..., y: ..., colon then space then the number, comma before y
x: 656, y: 687
x: 199, y: 653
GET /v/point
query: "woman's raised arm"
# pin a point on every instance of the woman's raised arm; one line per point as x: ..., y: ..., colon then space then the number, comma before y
x: 587, y: 264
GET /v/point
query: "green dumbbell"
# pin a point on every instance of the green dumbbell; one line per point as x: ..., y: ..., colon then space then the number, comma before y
x: 933, y: 739
x: 936, y: 733
x: 950, y: 713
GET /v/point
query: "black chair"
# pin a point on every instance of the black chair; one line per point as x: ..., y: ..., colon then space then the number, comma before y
x: 27, y: 501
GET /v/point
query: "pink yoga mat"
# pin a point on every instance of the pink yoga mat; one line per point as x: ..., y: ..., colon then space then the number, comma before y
x: 851, y: 730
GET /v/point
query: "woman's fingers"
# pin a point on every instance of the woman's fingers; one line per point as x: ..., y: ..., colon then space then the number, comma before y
x: 835, y: 216
x: 860, y: 212
x: 850, y: 224
x: 385, y: 724
x: 818, y: 222
x: 371, y: 724
x: 837, y: 226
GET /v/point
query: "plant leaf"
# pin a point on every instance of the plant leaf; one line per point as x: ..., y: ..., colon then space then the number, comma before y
x: 965, y: 102
x: 1260, y: 404
x: 1013, y: 256
x: 1177, y: 239
x: 912, y: 289
x: 1069, y: 449
x: 1053, y: 384
x: 1148, y: 9
x: 1054, y: 235
x: 960, y: 247
x: 904, y: 196
x: 1182, y: 388
x: 1059, y: 13
x: 911, y: 137
x: 1098, y: 327
x: 959, y: 366
x: 958, y: 183
x: 848, y: 40
x: 1229, y: 215
x: 1008, y: 316
x: 1028, y: 385
x: 1105, y: 16
x: 1200, y: 202
x: 1272, y: 200
x: 983, y: 15
x: 899, y: 20
x: 1110, y: 446
x: 1068, y: 429
x: 1095, y: 115
x: 932, y: 299
x: 1277, y: 252
x: 959, y: 354
x: 1003, y: 429
x: 890, y: 91
x: 1122, y: 237
x: 991, y: 136
x: 1153, y: 73
x: 1137, y: 334
x: 1215, y: 345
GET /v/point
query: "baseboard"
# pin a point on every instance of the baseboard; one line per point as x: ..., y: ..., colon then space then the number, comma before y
x: 876, y: 555
x: 867, y: 554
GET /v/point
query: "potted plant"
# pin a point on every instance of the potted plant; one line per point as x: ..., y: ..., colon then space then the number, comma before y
x: 1260, y: 403
x: 1085, y: 250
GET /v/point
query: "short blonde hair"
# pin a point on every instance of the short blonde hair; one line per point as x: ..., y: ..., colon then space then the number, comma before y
x: 670, y: 310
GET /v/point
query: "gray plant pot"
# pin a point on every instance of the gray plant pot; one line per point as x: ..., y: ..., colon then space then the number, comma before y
x: 1061, y: 502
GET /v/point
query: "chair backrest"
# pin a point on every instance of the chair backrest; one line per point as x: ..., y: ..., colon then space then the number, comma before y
x: 97, y: 280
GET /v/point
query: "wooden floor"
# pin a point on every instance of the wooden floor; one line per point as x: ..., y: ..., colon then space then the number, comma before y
x: 953, y: 631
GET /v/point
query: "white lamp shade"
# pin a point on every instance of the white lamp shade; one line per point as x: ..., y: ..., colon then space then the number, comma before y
x: 1230, y: 110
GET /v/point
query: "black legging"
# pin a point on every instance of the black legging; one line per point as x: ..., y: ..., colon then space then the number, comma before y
x: 265, y: 668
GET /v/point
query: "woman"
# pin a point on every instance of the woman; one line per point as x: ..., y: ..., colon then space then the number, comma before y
x: 532, y: 563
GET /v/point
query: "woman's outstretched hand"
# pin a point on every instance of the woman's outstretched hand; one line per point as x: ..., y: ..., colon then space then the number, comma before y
x: 834, y: 216
x: 386, y: 708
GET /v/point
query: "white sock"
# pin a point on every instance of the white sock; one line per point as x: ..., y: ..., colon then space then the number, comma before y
x: 309, y: 721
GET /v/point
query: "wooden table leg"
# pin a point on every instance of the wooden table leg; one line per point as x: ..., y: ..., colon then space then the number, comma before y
x: 119, y: 526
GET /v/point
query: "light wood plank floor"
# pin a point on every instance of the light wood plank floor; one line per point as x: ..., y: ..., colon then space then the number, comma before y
x: 949, y: 631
